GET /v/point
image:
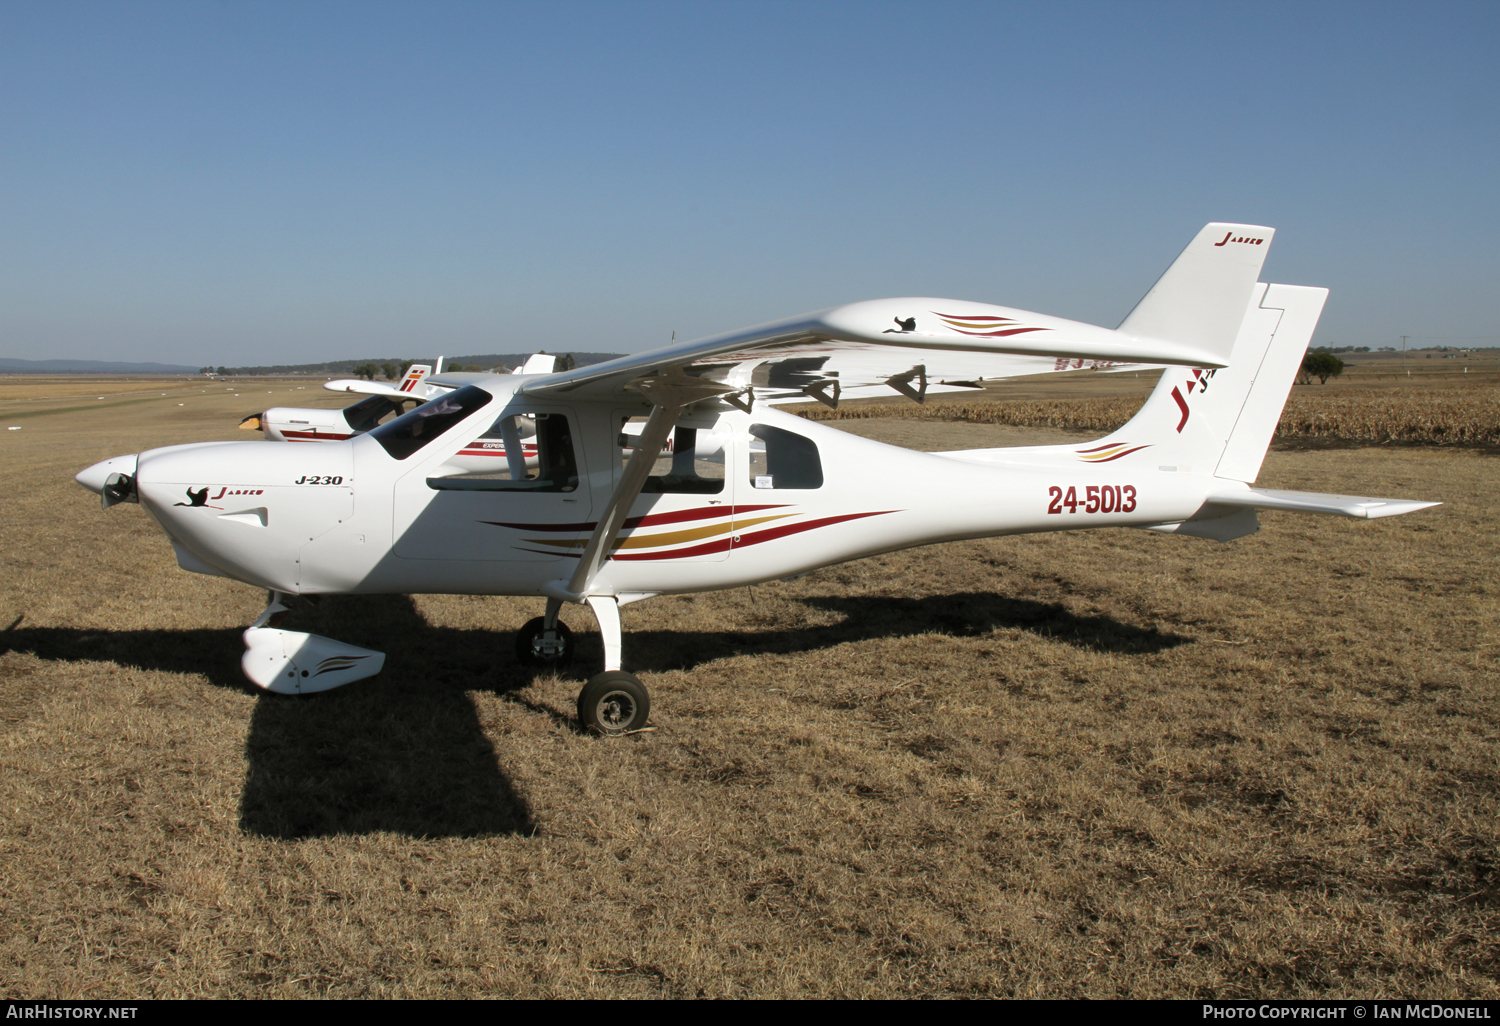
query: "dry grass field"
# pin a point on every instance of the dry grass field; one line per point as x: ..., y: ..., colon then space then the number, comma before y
x: 1428, y: 414
x: 1080, y: 765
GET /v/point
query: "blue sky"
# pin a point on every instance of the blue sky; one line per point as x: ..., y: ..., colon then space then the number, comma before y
x: 222, y: 182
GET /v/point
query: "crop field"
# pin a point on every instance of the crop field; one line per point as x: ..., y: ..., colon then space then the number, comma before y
x: 1426, y: 415
x: 1096, y: 764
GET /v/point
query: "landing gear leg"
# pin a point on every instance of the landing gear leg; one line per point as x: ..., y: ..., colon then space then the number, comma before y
x: 607, y: 612
x: 276, y: 606
x: 614, y: 702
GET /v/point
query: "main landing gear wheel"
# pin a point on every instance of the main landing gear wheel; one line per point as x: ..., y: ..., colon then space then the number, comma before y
x: 538, y: 646
x: 614, y: 702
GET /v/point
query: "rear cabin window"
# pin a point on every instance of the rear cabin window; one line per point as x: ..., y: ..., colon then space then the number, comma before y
x: 692, y: 463
x: 790, y: 460
x: 410, y: 432
x: 519, y: 453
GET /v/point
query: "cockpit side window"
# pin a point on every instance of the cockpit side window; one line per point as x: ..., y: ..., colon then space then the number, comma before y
x: 691, y: 463
x: 519, y: 453
x: 410, y: 432
x: 790, y: 460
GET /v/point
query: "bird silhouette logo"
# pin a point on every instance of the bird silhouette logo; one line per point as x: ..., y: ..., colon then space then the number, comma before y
x: 198, y: 498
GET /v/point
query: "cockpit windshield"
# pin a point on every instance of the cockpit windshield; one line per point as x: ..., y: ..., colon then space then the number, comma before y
x: 411, y: 431
x: 365, y: 414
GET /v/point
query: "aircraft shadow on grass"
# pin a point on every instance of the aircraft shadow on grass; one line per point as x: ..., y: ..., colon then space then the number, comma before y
x: 405, y: 751
x: 870, y: 618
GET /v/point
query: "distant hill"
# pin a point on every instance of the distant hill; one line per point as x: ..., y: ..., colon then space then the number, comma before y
x: 346, y: 367
x: 332, y: 367
x: 8, y: 366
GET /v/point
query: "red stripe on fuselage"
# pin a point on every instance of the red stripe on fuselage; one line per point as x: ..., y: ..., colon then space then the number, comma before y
x: 649, y: 520
x: 311, y: 436
x: 770, y: 534
x: 494, y: 450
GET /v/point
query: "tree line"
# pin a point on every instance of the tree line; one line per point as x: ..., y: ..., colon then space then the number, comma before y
x: 391, y: 369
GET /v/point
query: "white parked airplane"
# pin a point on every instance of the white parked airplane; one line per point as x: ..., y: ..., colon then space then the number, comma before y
x: 299, y: 424
x: 751, y: 493
x: 310, y: 424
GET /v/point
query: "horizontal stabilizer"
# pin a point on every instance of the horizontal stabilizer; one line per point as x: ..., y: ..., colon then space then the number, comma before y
x: 1364, y: 507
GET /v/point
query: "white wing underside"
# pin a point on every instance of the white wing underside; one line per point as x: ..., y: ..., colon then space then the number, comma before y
x: 794, y: 374
x: 361, y: 387
x: 886, y: 346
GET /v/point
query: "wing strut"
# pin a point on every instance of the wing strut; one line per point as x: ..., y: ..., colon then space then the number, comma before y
x: 669, y: 394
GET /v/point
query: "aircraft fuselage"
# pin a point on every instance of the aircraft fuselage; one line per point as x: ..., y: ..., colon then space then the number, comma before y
x: 349, y: 517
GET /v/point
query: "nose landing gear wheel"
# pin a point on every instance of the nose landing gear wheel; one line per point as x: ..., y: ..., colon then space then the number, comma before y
x: 539, y: 647
x: 613, y: 703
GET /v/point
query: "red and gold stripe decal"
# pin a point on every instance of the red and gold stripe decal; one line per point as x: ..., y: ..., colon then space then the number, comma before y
x: 728, y: 533
x: 663, y: 538
x: 743, y: 540
x: 985, y: 325
x: 1108, y: 453
x: 649, y: 520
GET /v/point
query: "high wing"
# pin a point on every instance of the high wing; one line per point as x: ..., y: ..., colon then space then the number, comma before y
x: 410, y: 384
x: 1189, y: 318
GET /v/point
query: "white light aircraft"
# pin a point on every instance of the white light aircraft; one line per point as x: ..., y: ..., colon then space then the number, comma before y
x: 310, y: 424
x: 298, y: 424
x: 595, y: 516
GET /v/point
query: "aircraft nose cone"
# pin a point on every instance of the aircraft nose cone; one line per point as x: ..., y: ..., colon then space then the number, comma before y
x: 93, y: 478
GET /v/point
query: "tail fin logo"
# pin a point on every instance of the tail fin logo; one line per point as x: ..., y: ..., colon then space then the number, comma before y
x: 1199, y: 380
x: 1230, y: 237
x: 414, y: 375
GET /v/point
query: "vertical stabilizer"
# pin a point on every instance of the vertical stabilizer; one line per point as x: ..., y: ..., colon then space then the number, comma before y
x: 1221, y: 422
x: 415, y: 374
x: 1201, y: 298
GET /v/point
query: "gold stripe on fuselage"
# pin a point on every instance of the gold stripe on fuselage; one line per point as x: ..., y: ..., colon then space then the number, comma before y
x: 651, y: 541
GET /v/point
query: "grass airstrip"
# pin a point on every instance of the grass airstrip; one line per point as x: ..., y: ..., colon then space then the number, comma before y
x: 1098, y: 764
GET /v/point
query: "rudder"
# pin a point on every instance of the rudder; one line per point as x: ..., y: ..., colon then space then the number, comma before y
x: 1300, y: 307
